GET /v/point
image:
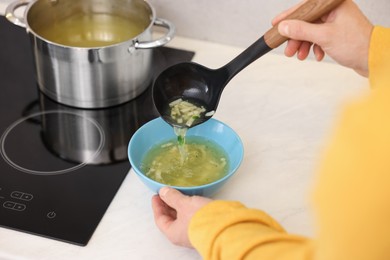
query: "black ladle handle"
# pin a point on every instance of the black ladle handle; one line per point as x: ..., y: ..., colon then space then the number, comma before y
x: 309, y: 11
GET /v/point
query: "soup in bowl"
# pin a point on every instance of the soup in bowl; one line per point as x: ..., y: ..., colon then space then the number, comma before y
x: 213, y: 153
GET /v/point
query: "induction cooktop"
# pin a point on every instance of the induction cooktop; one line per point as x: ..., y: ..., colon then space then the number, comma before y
x: 60, y: 166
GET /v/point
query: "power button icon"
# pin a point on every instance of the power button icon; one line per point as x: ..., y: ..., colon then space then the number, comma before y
x: 51, y: 214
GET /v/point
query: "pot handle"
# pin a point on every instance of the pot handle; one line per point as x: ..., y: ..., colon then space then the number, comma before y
x: 159, y: 42
x: 10, y: 12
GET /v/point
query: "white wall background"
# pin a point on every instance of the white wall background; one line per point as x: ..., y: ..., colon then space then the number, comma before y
x: 241, y: 22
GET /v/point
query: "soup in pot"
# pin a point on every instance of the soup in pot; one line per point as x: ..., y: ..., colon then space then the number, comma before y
x: 91, y: 30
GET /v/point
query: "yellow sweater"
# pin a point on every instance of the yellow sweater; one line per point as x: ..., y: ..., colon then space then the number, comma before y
x: 352, y: 197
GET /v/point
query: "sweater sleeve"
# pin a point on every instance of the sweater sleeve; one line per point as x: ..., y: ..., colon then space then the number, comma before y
x: 379, y: 57
x: 229, y: 230
x: 352, y: 198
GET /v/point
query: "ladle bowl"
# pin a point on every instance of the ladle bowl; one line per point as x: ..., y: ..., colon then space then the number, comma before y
x: 204, y: 86
x: 190, y: 81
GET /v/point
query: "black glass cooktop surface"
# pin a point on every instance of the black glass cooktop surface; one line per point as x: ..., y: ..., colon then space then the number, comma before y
x: 60, y: 167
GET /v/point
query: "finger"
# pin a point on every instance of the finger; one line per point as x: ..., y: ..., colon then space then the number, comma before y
x: 303, y: 31
x: 292, y: 47
x: 304, y: 50
x: 164, y: 216
x: 172, y: 197
x: 286, y: 13
x: 318, y: 52
x: 161, y: 208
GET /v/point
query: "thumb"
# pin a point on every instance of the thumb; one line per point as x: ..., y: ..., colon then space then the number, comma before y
x: 172, y: 197
x: 302, y: 31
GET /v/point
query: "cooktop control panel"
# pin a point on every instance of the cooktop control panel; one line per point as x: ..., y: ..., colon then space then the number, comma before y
x: 18, y: 201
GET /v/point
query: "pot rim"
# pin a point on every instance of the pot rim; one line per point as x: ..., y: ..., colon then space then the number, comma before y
x: 128, y: 42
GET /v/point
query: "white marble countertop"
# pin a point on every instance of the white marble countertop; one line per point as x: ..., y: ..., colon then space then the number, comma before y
x: 283, y: 110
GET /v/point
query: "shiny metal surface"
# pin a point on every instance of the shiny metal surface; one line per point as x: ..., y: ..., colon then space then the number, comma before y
x: 91, y: 77
x: 77, y: 134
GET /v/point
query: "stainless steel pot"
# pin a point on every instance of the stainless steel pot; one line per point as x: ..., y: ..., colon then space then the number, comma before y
x: 91, y: 77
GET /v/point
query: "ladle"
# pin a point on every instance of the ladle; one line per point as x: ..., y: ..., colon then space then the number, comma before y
x: 204, y: 86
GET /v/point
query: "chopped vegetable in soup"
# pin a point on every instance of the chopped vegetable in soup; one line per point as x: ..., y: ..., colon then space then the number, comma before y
x: 205, y: 162
x: 186, y: 112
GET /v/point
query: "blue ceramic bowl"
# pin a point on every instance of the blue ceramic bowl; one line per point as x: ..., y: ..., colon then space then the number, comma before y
x: 158, y: 131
